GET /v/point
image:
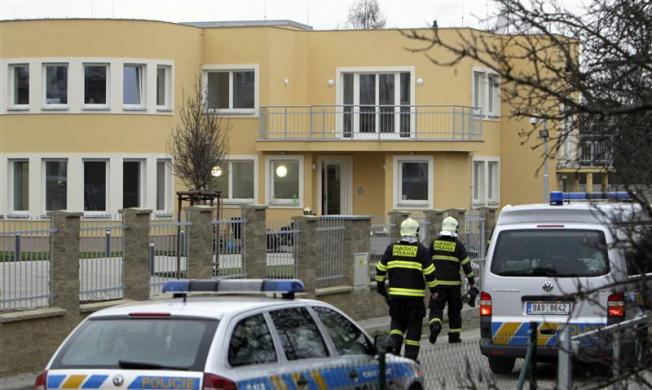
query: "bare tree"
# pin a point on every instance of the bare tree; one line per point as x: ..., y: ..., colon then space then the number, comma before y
x: 365, y: 15
x: 199, y: 141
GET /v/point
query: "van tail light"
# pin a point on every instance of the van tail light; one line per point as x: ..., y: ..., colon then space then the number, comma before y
x: 485, y: 304
x: 616, y: 305
x: 214, y: 382
x: 40, y: 382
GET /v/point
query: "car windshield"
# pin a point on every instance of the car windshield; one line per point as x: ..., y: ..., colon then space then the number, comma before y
x: 556, y: 253
x: 166, y: 343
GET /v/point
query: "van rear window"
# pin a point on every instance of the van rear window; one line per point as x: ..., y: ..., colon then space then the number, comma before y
x: 549, y: 252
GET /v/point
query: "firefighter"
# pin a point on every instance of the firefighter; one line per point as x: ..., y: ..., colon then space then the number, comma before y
x: 408, y: 267
x: 448, y: 255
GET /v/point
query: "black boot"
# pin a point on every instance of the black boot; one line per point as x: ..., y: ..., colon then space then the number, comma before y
x: 434, y: 332
x: 454, y: 338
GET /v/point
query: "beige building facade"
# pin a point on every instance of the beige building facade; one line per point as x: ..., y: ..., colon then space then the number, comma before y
x: 343, y: 122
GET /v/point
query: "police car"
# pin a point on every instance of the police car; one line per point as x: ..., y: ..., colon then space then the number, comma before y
x: 539, y: 256
x: 217, y: 335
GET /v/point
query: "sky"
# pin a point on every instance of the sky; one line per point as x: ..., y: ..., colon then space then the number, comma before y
x: 321, y: 14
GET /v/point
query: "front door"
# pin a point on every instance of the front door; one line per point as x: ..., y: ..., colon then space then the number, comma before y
x: 335, y: 186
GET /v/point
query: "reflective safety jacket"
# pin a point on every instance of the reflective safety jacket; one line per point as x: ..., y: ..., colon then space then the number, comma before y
x: 407, y: 264
x: 448, y: 254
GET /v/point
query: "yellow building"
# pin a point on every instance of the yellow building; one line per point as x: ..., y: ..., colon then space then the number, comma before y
x: 343, y: 122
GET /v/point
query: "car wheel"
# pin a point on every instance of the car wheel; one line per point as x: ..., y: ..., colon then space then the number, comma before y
x: 501, y: 365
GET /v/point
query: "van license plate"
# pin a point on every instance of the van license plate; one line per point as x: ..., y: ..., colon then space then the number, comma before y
x: 548, y: 308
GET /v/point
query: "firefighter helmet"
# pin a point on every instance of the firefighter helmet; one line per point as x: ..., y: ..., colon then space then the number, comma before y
x: 409, y: 228
x: 449, y: 225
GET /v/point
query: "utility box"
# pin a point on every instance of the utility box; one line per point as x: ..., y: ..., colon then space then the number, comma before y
x: 361, y: 270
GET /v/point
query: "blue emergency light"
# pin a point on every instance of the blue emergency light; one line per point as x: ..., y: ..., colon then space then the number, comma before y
x: 287, y: 287
x: 557, y: 198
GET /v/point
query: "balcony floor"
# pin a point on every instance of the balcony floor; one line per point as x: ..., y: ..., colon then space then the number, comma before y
x: 368, y: 146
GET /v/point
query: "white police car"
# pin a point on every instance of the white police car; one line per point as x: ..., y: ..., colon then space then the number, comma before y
x: 235, y: 341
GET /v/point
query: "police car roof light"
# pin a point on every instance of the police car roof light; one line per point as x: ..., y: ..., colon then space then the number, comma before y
x: 557, y: 198
x: 286, y: 286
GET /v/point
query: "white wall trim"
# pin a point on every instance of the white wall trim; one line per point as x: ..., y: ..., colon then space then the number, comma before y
x: 246, y: 112
x: 240, y: 157
x: 268, y: 180
x: 484, y: 201
x: 413, y: 205
x: 347, y: 178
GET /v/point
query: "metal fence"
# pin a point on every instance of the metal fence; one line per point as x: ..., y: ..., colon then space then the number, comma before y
x: 330, y: 250
x: 379, y: 239
x: 475, y: 240
x: 168, y: 252
x: 282, y: 250
x: 229, y: 248
x: 25, y: 258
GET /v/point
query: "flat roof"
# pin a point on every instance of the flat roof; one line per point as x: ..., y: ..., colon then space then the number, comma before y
x: 250, y: 23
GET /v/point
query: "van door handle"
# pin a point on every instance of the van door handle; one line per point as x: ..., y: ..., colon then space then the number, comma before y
x: 302, y: 381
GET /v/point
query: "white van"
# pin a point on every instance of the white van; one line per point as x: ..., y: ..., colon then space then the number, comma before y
x: 541, y: 255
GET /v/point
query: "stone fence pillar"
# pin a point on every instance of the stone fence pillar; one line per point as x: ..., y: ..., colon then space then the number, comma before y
x: 395, y: 219
x: 434, y: 219
x: 307, y: 253
x: 255, y: 241
x: 65, y: 260
x: 135, y: 263
x: 200, y: 242
x: 459, y: 215
x: 356, y: 240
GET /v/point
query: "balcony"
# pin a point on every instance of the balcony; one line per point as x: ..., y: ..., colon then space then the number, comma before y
x: 347, y: 124
x: 593, y: 151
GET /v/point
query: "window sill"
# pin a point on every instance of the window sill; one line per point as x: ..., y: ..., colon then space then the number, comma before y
x: 55, y: 108
x: 134, y: 109
x: 285, y: 206
x: 491, y: 118
x: 162, y: 214
x: 96, y: 108
x: 18, y: 215
x: 97, y: 214
x: 413, y: 206
x: 164, y: 110
x: 248, y: 113
x: 17, y: 108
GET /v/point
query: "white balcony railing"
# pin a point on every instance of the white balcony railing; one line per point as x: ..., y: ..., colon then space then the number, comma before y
x: 368, y: 123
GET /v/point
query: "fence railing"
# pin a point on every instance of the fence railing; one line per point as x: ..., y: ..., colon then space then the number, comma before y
x: 330, y: 250
x: 474, y: 239
x: 101, y: 248
x: 168, y: 252
x: 282, y: 240
x: 229, y: 248
x: 25, y: 263
x: 379, y: 239
x: 370, y: 122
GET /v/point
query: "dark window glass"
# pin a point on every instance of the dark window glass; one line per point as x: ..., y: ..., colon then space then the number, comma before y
x: 21, y: 185
x: 348, y: 339
x: 405, y: 104
x: 161, y: 81
x: 95, y: 84
x: 367, y: 103
x: 21, y: 84
x: 553, y: 253
x: 161, y: 186
x: 299, y: 334
x: 218, y: 90
x: 414, y: 180
x: 94, y: 186
x: 347, y: 80
x: 251, y: 343
x: 56, y: 185
x: 243, y: 89
x: 132, y: 84
x: 131, y: 184
x: 386, y: 102
x: 56, y: 84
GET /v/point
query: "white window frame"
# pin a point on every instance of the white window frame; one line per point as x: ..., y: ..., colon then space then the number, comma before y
x: 142, y: 180
x: 10, y: 187
x: 229, y: 199
x: 107, y: 179
x: 43, y: 189
x: 483, y: 199
x: 98, y: 107
x: 11, y: 106
x: 397, y: 185
x: 168, y: 88
x: 167, y: 188
x: 44, y: 76
x: 141, y: 87
x: 484, y: 107
x: 230, y: 69
x: 269, y: 182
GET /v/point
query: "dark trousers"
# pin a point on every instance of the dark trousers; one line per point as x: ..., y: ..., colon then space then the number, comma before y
x: 407, y: 318
x: 453, y: 297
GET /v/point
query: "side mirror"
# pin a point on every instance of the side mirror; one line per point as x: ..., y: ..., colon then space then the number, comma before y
x: 384, y: 344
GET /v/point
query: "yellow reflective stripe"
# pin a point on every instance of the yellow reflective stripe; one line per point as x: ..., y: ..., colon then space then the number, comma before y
x: 433, y: 320
x: 405, y: 250
x: 404, y: 264
x: 414, y: 343
x: 446, y: 246
x: 448, y: 283
x: 465, y: 261
x: 444, y: 257
x: 432, y: 283
x: 381, y: 267
x: 470, y: 274
x: 408, y: 292
x: 380, y: 278
x: 454, y: 330
x: 396, y: 331
x: 430, y: 269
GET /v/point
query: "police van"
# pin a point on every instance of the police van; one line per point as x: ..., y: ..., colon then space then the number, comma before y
x: 539, y: 258
x: 223, y: 334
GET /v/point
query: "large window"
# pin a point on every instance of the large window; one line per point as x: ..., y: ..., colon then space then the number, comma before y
x: 163, y: 87
x: 20, y: 193
x: 299, y: 334
x: 133, y: 86
x: 56, y: 85
x: 131, y: 184
x: 162, y: 180
x: 348, y: 338
x: 236, y: 180
x: 251, y: 343
x: 19, y: 86
x: 285, y: 181
x: 413, y: 181
x: 96, y: 85
x: 231, y: 90
x: 486, y: 181
x: 56, y: 185
x: 95, y: 185
x: 486, y: 93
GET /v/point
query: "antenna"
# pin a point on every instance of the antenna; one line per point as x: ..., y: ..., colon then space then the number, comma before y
x: 462, y: 6
x: 265, y: 16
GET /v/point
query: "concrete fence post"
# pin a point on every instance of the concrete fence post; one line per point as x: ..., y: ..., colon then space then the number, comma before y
x: 434, y: 219
x: 200, y: 242
x: 135, y: 261
x: 255, y: 240
x: 356, y: 240
x: 489, y: 223
x: 65, y: 260
x: 307, y: 253
x: 395, y: 219
x: 459, y: 215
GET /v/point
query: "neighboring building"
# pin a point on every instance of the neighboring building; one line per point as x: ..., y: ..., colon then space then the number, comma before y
x: 344, y: 122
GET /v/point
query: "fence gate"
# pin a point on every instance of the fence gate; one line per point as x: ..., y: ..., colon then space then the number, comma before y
x: 474, y: 239
x: 229, y: 248
x: 330, y: 252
